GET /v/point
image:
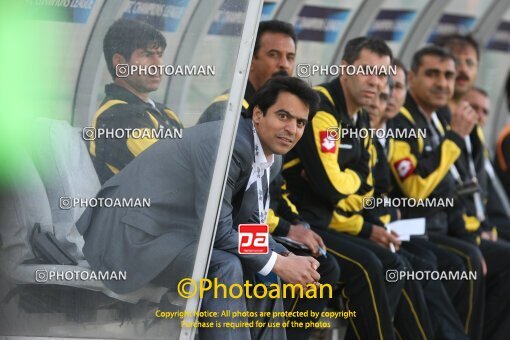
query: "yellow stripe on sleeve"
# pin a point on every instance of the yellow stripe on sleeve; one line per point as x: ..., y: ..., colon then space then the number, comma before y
x: 272, y: 220
x: 291, y: 163
x: 345, y: 182
x: 414, y: 185
x: 351, y: 225
x: 287, y: 199
x: 137, y: 146
x: 172, y: 115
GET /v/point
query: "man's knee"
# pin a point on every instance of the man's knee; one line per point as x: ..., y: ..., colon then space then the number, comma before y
x: 372, y: 264
x: 457, y: 263
x: 424, y: 265
x: 473, y: 257
x: 425, y: 261
x: 329, y: 270
x: 394, y: 262
x: 226, y: 267
x: 429, y: 257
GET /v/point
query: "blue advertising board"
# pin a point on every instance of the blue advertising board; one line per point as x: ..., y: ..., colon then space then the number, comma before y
x: 321, y: 24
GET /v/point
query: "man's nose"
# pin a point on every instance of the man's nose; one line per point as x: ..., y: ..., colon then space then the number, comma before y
x: 441, y: 82
x: 291, y: 127
x: 462, y: 67
x: 374, y: 80
x: 285, y: 64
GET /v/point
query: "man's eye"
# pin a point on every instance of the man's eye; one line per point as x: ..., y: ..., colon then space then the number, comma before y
x: 301, y: 124
x: 282, y: 115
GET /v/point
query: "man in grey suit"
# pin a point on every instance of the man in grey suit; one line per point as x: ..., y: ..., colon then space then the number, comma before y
x: 155, y: 244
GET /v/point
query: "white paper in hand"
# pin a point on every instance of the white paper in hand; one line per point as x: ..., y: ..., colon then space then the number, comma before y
x: 407, y: 228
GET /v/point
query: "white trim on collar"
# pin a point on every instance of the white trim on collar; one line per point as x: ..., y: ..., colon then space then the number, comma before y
x: 260, y: 161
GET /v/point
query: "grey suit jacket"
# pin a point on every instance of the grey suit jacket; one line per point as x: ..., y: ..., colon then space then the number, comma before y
x: 175, y: 174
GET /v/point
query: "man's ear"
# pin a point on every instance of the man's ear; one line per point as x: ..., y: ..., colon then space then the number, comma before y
x: 257, y: 114
x: 410, y: 76
x: 252, y: 67
x: 345, y: 64
x: 117, y: 59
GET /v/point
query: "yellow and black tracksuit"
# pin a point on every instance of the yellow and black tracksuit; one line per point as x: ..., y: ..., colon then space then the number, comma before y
x: 121, y: 109
x: 421, y: 166
x: 496, y: 254
x: 327, y: 180
x: 421, y: 170
x: 426, y: 308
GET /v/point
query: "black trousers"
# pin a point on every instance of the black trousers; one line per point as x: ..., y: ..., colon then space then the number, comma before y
x: 329, y: 271
x: 467, y: 295
x: 365, y: 291
x: 411, y: 316
x: 497, y: 297
x: 445, y: 320
x: 412, y: 320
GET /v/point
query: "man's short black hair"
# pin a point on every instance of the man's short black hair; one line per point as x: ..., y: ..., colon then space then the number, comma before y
x: 267, y: 95
x: 399, y: 64
x: 429, y: 50
x: 273, y: 26
x: 125, y: 36
x: 458, y: 40
x: 354, y: 46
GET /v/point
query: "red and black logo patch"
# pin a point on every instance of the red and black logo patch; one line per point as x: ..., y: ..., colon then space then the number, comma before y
x: 404, y: 167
